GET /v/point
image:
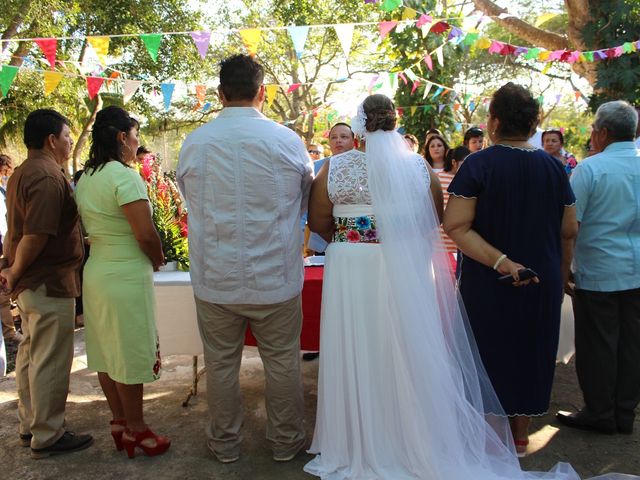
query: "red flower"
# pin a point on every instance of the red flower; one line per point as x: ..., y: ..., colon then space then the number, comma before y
x: 147, y: 167
x: 353, y: 236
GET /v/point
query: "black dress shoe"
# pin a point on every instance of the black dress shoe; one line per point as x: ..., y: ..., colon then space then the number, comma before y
x: 67, y: 443
x: 307, y: 357
x: 581, y: 421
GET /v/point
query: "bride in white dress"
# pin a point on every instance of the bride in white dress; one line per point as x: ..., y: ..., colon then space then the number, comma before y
x: 402, y: 393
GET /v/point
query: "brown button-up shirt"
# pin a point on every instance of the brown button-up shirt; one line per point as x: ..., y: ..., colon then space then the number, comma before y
x: 40, y: 201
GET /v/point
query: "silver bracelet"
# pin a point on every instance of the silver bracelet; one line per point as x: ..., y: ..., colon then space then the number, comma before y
x: 499, y: 261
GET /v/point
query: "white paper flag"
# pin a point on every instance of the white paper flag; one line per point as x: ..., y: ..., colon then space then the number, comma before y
x: 345, y: 35
x: 130, y: 88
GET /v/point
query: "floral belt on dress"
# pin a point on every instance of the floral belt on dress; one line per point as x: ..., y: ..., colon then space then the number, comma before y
x: 356, y: 229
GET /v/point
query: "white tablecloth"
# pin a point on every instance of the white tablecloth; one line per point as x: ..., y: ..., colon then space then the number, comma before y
x: 176, y: 314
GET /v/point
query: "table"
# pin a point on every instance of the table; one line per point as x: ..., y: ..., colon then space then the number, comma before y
x: 178, y: 327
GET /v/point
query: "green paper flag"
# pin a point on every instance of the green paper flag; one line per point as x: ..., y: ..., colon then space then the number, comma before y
x: 588, y: 56
x: 389, y: 5
x: 532, y: 54
x: 627, y: 48
x: 152, y: 42
x: 470, y: 39
x: 7, y: 74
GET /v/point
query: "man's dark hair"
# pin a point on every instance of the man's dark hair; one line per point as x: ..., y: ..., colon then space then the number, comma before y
x: 5, y: 160
x: 240, y: 77
x: 40, y: 124
x: 473, y: 132
x: 142, y: 149
x: 342, y: 124
x: 516, y: 109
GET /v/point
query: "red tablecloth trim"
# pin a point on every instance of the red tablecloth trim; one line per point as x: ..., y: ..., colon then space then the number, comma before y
x: 311, y: 301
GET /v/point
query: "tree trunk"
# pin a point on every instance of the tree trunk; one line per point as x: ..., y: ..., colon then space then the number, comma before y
x: 86, y: 130
x: 15, y: 24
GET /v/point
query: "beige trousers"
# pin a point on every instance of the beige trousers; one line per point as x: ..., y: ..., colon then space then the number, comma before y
x: 277, y: 330
x: 8, y: 327
x: 43, y: 364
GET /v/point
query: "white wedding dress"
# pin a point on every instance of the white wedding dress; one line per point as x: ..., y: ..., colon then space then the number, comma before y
x: 401, y: 390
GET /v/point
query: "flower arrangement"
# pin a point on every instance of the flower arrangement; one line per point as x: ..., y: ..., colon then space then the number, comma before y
x: 169, y: 214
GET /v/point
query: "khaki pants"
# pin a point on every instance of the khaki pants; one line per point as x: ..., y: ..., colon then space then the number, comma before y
x: 277, y: 330
x: 8, y: 327
x: 43, y: 364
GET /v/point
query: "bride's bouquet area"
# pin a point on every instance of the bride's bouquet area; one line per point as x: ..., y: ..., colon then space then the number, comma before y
x: 169, y: 214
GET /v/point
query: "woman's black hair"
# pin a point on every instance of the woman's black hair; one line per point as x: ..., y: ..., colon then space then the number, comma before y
x: 380, y: 112
x: 105, y: 146
x: 473, y: 132
x: 516, y: 109
x: 427, y: 155
x: 553, y: 130
x: 458, y: 154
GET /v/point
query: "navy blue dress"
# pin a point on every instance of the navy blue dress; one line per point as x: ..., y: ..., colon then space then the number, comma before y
x: 521, y: 195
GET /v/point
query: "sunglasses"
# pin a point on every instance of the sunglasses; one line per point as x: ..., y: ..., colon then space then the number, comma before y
x: 314, y: 152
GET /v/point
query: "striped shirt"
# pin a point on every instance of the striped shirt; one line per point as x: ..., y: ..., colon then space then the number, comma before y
x: 445, y: 180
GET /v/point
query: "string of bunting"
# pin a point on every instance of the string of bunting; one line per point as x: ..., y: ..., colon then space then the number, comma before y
x: 252, y: 39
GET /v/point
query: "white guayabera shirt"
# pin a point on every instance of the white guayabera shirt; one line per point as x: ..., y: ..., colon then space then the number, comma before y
x: 246, y: 181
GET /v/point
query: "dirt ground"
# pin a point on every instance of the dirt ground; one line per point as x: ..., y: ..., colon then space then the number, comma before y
x: 591, y: 454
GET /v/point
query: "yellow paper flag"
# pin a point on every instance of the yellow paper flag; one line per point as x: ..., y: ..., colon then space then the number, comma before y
x: 100, y: 46
x: 413, y: 110
x: 271, y: 91
x: 546, y: 68
x: 409, y: 13
x: 544, y: 55
x: 483, y: 43
x: 544, y: 18
x: 51, y: 81
x: 251, y: 39
x: 582, y: 58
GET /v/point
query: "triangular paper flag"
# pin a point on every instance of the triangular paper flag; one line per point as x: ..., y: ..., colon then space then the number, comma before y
x: 416, y: 84
x: 152, y: 42
x: 428, y: 61
x: 251, y: 39
x: 544, y: 18
x: 390, y: 5
x: 130, y: 88
x: 438, y: 92
x: 440, y: 107
x: 271, y: 91
x: 345, y: 36
x: 578, y: 95
x: 201, y: 92
x: 393, y: 81
x: 544, y: 55
x: 202, y: 40
x: 409, y: 13
x: 100, y: 46
x: 404, y: 79
x: 588, y: 56
x: 440, y: 56
x: 386, y: 27
x: 423, y: 20
x: 412, y: 76
x: 427, y: 89
x: 7, y: 75
x: 51, y: 81
x: 483, y: 43
x: 299, y: 38
x: 546, y: 68
x: 49, y: 47
x: 293, y: 87
x: 495, y: 46
x: 532, y: 54
x: 470, y: 38
x: 413, y: 110
x: 167, y: 93
x: 93, y: 86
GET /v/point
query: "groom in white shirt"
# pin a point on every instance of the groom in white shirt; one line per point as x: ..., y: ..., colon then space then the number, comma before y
x: 246, y: 181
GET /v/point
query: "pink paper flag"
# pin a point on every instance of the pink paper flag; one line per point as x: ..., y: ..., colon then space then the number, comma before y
x: 423, y: 20
x: 404, y: 79
x: 428, y: 61
x: 293, y: 87
x: 416, y: 84
x: 49, y: 47
x: 555, y: 55
x: 93, y: 86
x: 201, y: 39
x: 495, y: 47
x: 386, y: 27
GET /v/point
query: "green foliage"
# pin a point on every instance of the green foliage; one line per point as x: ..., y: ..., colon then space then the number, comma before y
x: 408, y: 47
x: 615, y: 22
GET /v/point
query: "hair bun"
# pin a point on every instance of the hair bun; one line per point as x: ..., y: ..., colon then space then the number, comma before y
x: 381, y: 120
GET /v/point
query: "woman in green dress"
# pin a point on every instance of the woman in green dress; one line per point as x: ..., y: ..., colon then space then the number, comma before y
x: 120, y: 330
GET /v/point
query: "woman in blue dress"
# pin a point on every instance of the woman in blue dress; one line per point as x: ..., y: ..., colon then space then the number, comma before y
x: 511, y: 207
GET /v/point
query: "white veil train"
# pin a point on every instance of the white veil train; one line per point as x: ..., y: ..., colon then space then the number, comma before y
x: 453, y: 418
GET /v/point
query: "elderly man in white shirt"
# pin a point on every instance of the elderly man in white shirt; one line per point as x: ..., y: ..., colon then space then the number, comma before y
x: 246, y: 181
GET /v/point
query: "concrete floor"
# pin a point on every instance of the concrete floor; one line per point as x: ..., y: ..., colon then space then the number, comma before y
x: 87, y: 411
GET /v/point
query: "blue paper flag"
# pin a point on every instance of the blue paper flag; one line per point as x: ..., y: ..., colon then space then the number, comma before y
x: 299, y: 38
x: 167, y: 93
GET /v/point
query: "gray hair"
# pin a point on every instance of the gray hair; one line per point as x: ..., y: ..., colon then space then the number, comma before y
x: 619, y: 118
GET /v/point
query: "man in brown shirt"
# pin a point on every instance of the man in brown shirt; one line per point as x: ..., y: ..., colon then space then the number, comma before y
x: 43, y: 252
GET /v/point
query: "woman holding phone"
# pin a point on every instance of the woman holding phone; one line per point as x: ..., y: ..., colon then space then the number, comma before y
x: 511, y: 212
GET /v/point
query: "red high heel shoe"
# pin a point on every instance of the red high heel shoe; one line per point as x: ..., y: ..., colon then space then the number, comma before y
x: 117, y: 434
x: 130, y: 444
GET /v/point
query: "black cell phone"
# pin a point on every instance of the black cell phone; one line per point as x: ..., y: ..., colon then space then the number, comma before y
x: 524, y: 274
